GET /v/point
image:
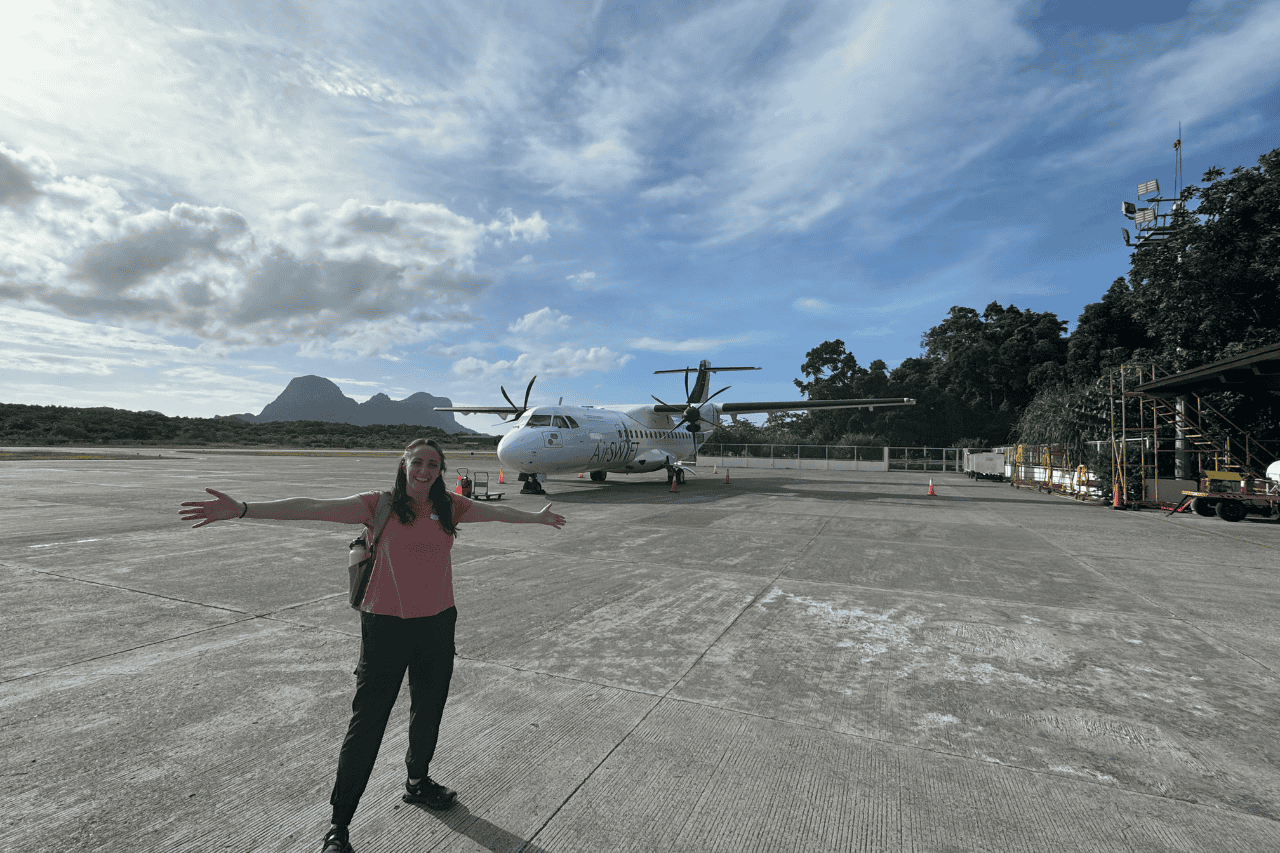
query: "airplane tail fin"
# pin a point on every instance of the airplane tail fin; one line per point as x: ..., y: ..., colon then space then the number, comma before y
x: 701, y: 390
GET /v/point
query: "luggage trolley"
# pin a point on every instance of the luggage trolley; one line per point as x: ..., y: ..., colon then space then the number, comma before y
x: 480, y: 488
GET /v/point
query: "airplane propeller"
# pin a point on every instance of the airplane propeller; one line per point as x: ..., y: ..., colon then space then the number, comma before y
x: 519, y: 410
x: 692, y: 414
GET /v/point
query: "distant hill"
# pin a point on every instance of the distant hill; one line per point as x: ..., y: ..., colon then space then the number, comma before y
x: 43, y: 426
x: 314, y: 398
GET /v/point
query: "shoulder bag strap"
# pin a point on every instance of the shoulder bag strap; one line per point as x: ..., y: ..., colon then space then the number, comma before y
x: 381, y: 515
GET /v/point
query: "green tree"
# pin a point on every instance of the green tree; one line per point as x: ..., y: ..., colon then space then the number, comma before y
x: 1212, y: 288
x: 976, y: 374
x: 833, y: 373
x: 993, y: 362
x: 1107, y: 334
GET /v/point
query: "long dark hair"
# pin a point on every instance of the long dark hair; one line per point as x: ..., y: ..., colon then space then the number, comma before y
x: 441, y: 503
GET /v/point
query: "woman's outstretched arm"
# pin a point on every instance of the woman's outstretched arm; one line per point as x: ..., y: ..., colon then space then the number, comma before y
x: 491, y: 512
x: 350, y: 510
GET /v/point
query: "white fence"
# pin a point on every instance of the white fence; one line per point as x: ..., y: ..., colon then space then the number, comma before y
x: 831, y: 457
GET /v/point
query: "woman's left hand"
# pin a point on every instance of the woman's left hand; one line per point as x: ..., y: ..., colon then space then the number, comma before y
x: 555, y: 519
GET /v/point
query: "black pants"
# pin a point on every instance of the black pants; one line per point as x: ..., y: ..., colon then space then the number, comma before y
x: 390, y: 645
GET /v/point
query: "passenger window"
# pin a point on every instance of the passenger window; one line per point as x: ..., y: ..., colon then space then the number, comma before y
x: 540, y: 420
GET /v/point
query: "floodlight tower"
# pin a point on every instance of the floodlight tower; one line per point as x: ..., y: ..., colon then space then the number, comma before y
x: 1152, y: 227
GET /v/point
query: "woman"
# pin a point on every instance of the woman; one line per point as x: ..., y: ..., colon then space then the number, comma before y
x: 407, y: 616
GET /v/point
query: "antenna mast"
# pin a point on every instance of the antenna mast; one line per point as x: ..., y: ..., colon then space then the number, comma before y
x: 1177, y: 164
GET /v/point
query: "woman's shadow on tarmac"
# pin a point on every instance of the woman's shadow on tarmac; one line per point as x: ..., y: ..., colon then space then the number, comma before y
x: 489, y: 836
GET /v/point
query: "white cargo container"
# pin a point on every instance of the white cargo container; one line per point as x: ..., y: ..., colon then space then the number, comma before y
x: 984, y: 465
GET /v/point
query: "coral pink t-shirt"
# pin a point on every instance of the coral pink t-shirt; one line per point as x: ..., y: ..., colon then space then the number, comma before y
x: 412, y: 573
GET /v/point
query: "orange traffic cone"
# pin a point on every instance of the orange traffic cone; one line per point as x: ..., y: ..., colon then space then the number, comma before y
x: 716, y: 469
x: 726, y: 476
x: 1116, y: 503
x: 579, y: 475
x: 931, y: 491
x: 673, y: 485
x: 500, y: 480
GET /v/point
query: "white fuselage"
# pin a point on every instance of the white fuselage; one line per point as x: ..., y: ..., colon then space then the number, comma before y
x: 574, y: 439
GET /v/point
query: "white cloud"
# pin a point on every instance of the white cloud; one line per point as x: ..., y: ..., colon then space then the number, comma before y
x: 356, y: 279
x: 540, y: 322
x: 841, y: 119
x: 534, y: 229
x: 46, y: 359
x: 680, y: 190
x: 586, y: 282
x: 604, y: 165
x: 813, y: 305
x: 565, y: 362
x: 360, y: 382
x: 36, y: 330
x: 1202, y: 84
x: 689, y: 345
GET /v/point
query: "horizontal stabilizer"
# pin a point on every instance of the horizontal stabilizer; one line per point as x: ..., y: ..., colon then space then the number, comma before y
x: 709, y: 369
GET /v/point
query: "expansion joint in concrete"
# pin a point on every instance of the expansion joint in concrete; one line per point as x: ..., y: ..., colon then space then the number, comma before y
x: 132, y: 649
x: 135, y: 591
x: 662, y: 698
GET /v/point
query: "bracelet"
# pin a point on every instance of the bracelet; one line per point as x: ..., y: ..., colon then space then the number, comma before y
x: 246, y: 508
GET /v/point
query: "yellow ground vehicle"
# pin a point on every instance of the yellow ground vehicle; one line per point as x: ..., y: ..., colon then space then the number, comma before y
x: 1232, y: 497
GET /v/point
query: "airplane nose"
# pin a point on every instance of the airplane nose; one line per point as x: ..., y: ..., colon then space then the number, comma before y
x: 518, y: 449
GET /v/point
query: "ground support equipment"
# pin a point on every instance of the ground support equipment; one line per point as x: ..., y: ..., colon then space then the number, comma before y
x: 480, y: 488
x: 1231, y: 497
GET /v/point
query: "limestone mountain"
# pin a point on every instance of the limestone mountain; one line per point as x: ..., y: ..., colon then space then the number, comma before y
x: 314, y: 398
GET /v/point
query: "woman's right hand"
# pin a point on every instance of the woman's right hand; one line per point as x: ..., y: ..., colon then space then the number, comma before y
x: 224, y: 507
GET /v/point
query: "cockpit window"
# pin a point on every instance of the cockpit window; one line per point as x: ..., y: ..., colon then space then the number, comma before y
x: 572, y: 423
x: 560, y: 422
x: 540, y: 420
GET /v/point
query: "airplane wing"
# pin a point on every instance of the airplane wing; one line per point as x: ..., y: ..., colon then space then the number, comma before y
x: 797, y: 405
x: 511, y: 410
x: 505, y: 411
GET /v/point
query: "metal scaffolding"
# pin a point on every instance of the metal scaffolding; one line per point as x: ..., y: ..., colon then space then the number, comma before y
x: 1161, y: 446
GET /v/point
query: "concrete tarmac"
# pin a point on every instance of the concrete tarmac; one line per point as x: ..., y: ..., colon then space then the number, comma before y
x: 795, y: 661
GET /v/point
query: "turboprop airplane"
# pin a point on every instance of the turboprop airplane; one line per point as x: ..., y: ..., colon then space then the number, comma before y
x: 627, y: 439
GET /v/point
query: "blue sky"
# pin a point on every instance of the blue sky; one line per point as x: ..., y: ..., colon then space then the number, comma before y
x: 200, y: 201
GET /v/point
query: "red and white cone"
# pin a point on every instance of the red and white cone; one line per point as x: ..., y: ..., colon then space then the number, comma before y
x: 673, y: 485
x: 726, y: 476
x: 931, y: 491
x: 579, y: 475
x: 500, y: 480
